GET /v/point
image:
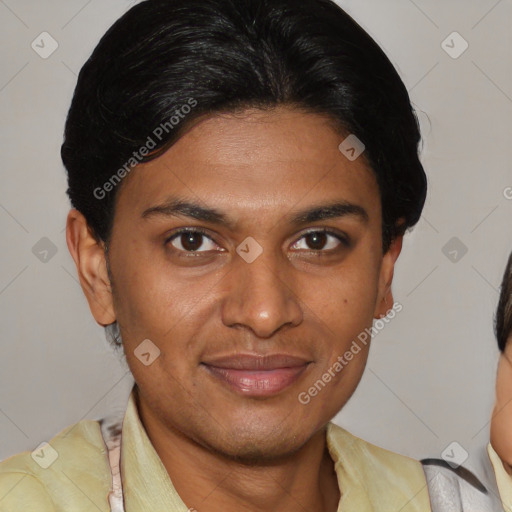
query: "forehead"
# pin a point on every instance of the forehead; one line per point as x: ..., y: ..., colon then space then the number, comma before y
x: 261, y: 160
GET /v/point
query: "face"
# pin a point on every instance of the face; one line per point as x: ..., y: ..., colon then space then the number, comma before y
x: 250, y: 255
x: 501, y: 421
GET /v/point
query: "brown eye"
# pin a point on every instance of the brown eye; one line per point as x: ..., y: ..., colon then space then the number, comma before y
x: 316, y: 241
x: 191, y: 241
x: 320, y: 241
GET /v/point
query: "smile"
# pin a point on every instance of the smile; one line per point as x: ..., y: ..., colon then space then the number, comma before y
x: 256, y: 375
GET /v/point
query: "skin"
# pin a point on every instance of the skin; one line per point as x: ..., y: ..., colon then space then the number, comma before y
x: 501, y: 421
x: 259, y: 168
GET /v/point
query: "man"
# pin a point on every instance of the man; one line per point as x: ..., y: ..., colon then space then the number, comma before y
x: 242, y: 174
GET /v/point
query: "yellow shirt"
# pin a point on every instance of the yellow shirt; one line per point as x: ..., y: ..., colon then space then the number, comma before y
x: 503, y: 479
x: 79, y: 479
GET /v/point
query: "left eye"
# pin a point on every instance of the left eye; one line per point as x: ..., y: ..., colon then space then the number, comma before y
x: 319, y: 240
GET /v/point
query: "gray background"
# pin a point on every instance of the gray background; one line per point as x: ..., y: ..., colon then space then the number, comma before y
x: 430, y: 377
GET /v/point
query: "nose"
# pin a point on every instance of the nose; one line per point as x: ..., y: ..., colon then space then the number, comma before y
x: 261, y: 296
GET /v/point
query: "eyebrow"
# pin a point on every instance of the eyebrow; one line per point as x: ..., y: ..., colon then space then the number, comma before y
x: 177, y: 207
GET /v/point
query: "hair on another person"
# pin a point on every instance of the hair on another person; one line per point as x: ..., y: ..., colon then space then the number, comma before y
x: 503, y: 317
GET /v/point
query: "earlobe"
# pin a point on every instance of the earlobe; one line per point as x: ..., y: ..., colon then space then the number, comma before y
x: 89, y: 256
x: 386, y: 305
x: 385, y: 298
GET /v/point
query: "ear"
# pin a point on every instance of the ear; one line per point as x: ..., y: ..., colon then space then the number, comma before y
x: 385, y: 298
x: 89, y: 256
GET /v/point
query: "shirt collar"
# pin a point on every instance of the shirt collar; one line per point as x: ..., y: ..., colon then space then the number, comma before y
x: 146, y: 483
x: 366, y: 479
x: 503, y: 479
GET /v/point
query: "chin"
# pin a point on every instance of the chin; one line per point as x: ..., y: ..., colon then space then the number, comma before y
x: 253, y: 443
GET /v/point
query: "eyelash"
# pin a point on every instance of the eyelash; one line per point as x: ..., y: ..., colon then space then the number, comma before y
x: 344, y: 240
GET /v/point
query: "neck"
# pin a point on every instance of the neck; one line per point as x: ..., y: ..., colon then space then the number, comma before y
x: 303, y: 480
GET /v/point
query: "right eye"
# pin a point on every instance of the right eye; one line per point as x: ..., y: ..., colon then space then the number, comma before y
x: 191, y: 240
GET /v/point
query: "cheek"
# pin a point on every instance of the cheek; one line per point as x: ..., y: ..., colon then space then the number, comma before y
x: 148, y: 302
x: 344, y: 307
x: 344, y: 300
x: 155, y: 303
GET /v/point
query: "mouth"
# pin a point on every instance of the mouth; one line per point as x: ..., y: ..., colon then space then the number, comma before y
x: 257, y: 375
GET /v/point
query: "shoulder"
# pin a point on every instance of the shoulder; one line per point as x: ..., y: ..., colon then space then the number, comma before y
x: 374, y: 455
x: 454, y: 487
x: 68, y: 469
x: 499, y: 477
x: 388, y: 480
x: 22, y: 491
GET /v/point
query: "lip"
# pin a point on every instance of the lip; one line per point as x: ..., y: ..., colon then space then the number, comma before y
x: 257, y: 375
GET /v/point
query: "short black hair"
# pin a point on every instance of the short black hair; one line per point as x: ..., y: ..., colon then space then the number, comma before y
x: 503, y: 316
x: 165, y: 63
